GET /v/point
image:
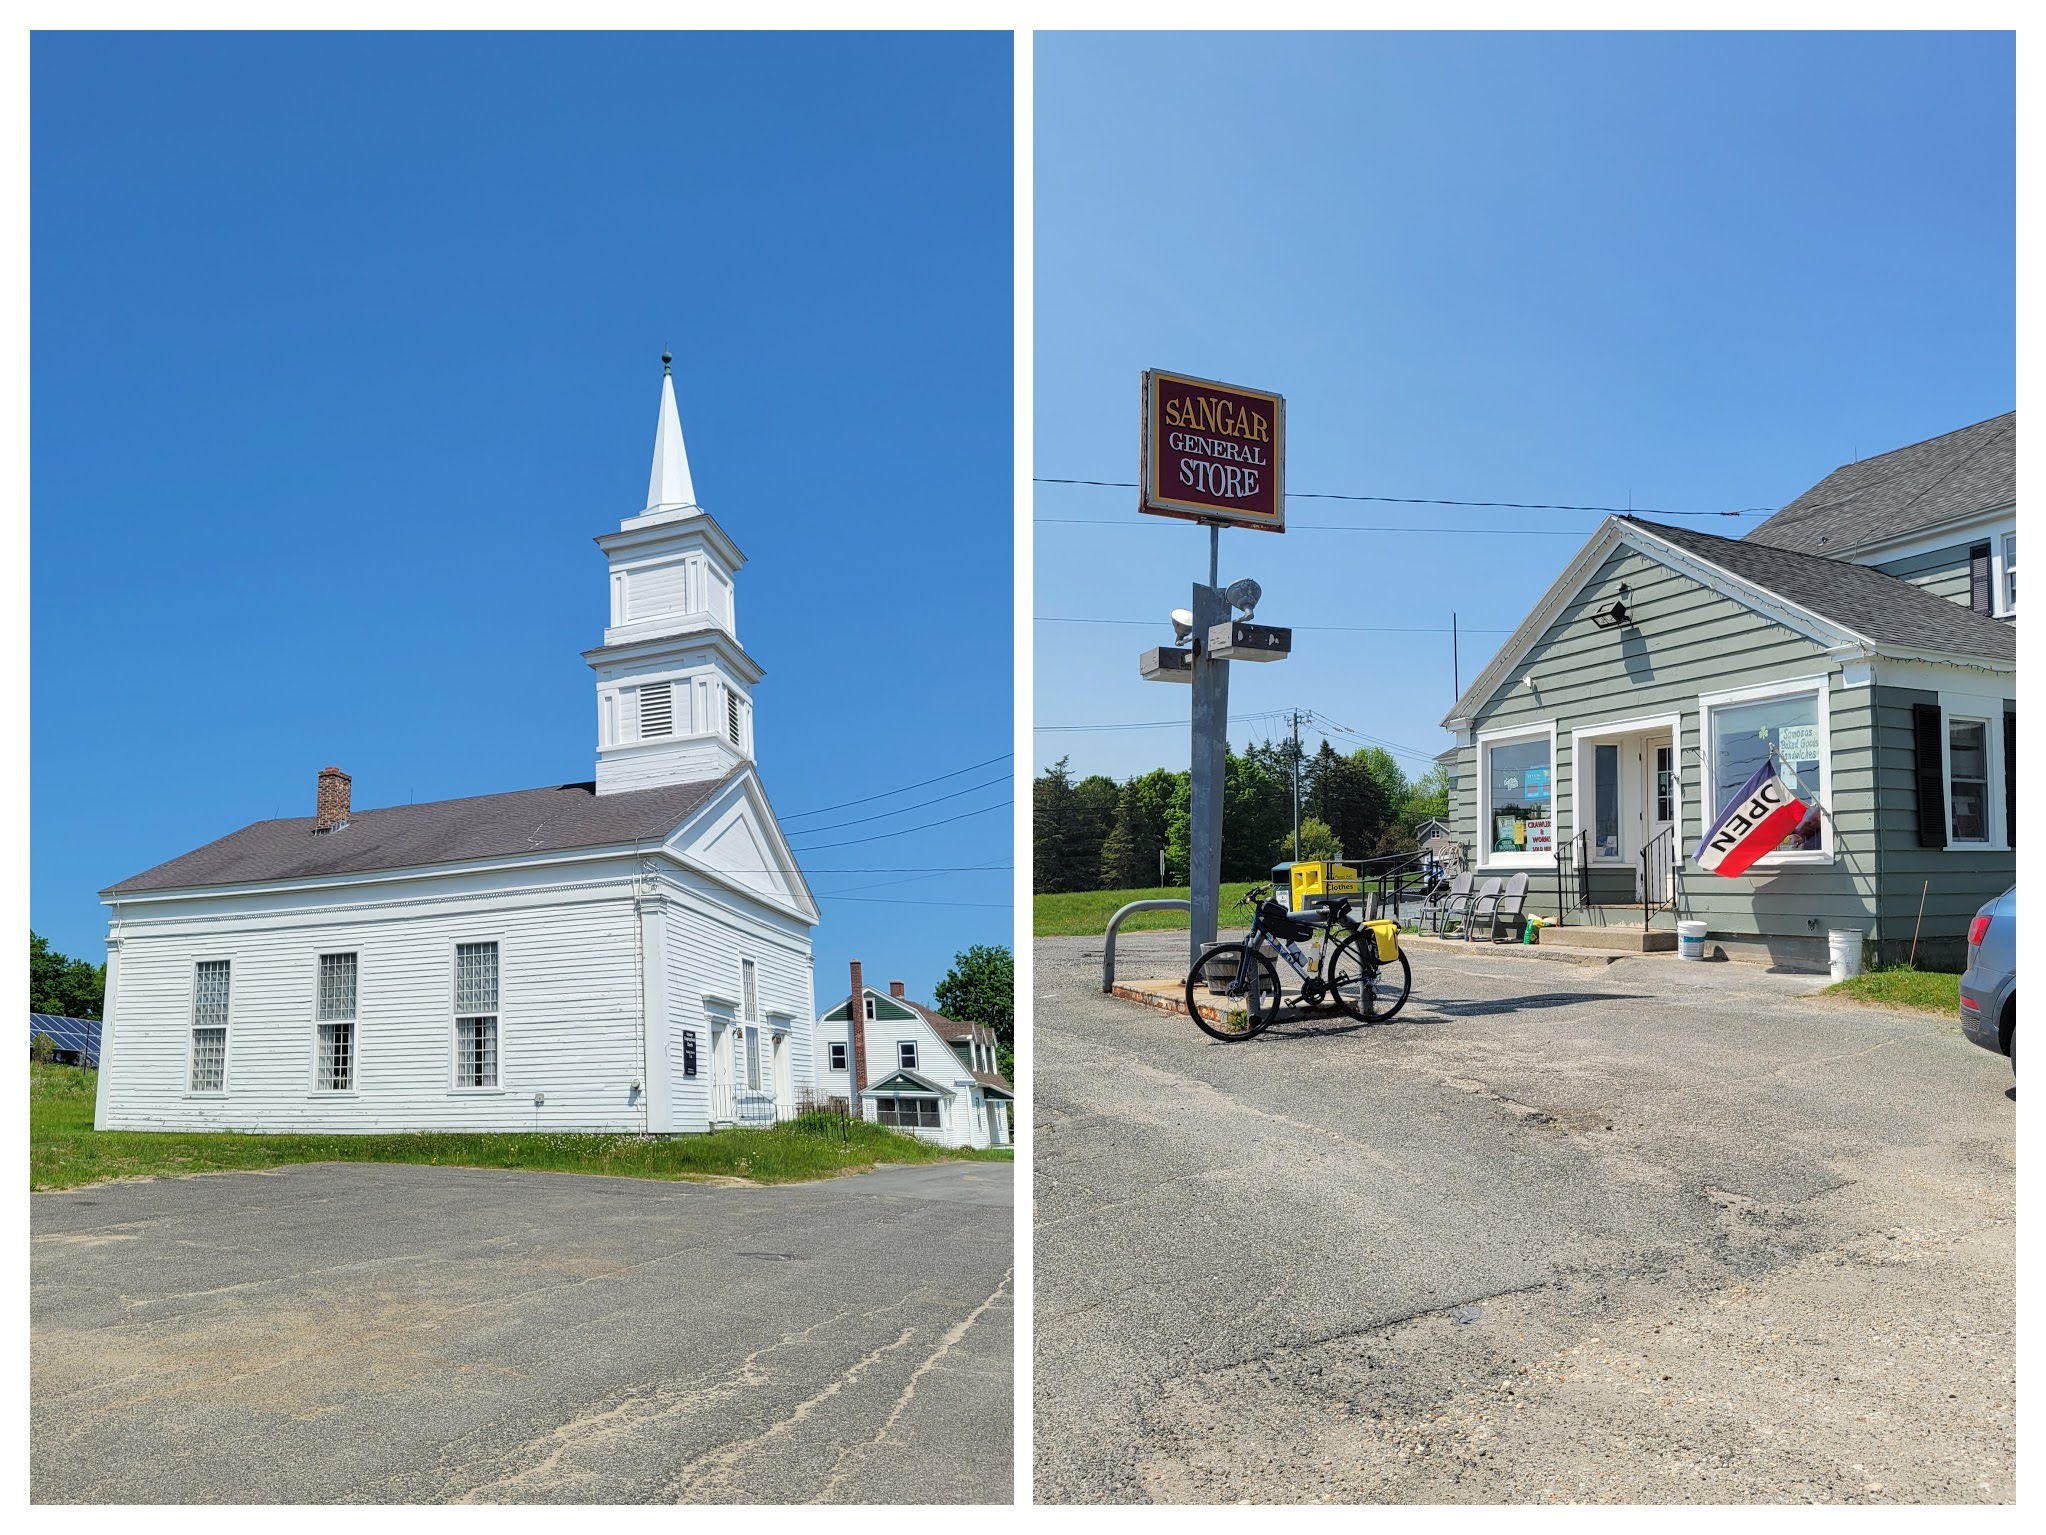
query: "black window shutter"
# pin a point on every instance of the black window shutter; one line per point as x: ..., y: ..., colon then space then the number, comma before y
x: 1932, y: 789
x: 1980, y: 598
x: 2010, y: 777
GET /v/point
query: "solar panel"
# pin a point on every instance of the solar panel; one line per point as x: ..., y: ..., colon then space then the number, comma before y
x: 76, y: 1039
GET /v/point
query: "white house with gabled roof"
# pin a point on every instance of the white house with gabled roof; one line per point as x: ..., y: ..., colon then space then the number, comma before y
x: 916, y: 1069
x: 630, y: 953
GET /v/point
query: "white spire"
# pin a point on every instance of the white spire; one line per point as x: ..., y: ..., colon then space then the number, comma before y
x: 669, y: 485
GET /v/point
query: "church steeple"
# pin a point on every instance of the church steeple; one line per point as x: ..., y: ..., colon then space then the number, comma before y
x: 674, y: 685
x: 669, y: 485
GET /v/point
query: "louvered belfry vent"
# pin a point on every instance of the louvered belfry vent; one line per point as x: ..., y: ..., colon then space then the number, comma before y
x: 657, y: 709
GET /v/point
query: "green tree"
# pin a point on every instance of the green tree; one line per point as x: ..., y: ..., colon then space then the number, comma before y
x: 1096, y: 798
x: 1054, y: 817
x: 69, y: 988
x: 1129, y: 858
x: 981, y: 988
x: 1318, y: 841
x: 1257, y: 817
x: 1342, y: 793
x: 1427, y: 798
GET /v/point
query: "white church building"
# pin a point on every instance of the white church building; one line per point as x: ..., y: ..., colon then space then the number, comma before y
x: 630, y: 954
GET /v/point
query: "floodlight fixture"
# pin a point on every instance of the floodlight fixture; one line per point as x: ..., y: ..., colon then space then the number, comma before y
x: 1166, y: 663
x: 1242, y: 641
x: 1182, y: 624
x: 1611, y: 616
x: 1244, y: 594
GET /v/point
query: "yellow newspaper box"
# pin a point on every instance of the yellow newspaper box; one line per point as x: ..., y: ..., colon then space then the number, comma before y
x: 1318, y: 878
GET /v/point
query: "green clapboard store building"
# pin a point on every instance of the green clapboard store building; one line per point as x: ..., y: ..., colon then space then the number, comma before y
x: 1866, y: 633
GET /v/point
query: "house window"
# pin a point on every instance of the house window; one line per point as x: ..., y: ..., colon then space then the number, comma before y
x: 689, y: 1052
x: 1518, y: 814
x: 1968, y: 779
x: 209, y: 1027
x: 909, y: 1113
x: 1745, y: 732
x: 656, y: 709
x: 749, y: 990
x: 475, y: 1015
x: 870, y: 1009
x: 905, y: 1054
x: 334, y: 1021
x: 2010, y: 572
x: 838, y: 1055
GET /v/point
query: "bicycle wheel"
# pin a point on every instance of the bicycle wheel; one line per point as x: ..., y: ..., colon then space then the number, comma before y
x: 1367, y: 988
x: 1233, y: 992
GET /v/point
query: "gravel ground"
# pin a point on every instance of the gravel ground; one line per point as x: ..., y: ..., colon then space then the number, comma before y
x: 1647, y: 1231
x: 386, y: 1334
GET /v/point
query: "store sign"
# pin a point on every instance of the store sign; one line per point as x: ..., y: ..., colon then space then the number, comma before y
x: 1213, y: 452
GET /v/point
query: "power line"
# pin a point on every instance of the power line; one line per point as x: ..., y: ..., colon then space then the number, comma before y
x: 868, y: 799
x: 1337, y: 527
x: 1152, y: 623
x: 882, y: 815
x: 905, y: 831
x: 1516, y: 506
x: 882, y: 900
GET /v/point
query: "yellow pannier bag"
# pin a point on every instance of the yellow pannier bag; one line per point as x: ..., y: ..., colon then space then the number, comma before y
x: 1388, y: 936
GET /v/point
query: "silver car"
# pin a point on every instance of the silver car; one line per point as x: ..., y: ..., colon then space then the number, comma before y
x: 1989, y: 988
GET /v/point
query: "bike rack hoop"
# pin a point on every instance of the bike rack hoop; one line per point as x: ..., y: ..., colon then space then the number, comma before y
x: 1114, y: 922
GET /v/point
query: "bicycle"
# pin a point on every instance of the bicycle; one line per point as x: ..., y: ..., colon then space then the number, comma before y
x: 1233, y: 991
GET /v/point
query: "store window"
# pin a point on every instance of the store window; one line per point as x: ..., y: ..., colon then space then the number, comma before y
x: 1519, y: 810
x: 1745, y: 732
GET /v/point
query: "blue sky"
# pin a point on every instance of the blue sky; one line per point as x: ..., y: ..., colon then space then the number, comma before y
x: 345, y: 347
x: 1689, y: 272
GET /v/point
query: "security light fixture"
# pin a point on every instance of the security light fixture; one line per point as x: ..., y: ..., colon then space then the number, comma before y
x: 1241, y: 641
x: 1612, y: 615
x: 1166, y: 664
x: 1244, y: 594
x: 1182, y: 624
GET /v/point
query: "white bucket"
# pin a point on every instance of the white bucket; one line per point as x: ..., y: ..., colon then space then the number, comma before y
x: 1843, y: 954
x: 1690, y: 940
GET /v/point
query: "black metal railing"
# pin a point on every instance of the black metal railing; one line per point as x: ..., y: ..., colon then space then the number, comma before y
x: 1660, y: 867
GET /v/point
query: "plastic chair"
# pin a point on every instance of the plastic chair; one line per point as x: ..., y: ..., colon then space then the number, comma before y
x: 1509, y: 907
x: 1481, y: 905
x: 1447, y: 899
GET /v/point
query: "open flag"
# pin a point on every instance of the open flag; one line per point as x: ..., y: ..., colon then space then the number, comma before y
x: 1760, y: 816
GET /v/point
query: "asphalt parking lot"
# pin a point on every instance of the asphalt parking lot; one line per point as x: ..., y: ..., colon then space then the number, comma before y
x: 1648, y: 1231
x: 336, y: 1333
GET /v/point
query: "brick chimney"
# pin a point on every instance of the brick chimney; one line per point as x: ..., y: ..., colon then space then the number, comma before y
x: 331, y: 808
x: 895, y: 990
x: 856, y: 1024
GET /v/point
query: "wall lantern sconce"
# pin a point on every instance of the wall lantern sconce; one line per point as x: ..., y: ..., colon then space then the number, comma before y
x: 1612, y: 615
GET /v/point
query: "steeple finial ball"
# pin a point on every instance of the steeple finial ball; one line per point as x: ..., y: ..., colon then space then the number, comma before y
x: 666, y: 358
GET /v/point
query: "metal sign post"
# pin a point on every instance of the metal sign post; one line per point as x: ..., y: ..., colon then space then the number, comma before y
x: 1210, y: 769
x: 1212, y: 453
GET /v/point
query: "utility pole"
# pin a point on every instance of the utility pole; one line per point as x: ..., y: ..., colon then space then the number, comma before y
x: 1296, y: 785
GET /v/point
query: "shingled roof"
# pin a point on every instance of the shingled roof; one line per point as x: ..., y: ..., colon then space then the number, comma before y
x: 1860, y: 599
x: 548, y: 820
x: 1954, y: 475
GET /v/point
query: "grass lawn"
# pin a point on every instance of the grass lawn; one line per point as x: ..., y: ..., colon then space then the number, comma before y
x: 1929, y: 991
x: 65, y: 1151
x: 1085, y: 913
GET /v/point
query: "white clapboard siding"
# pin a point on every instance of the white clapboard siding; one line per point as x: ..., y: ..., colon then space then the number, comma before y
x: 710, y: 929
x: 568, y: 1022
x: 659, y: 589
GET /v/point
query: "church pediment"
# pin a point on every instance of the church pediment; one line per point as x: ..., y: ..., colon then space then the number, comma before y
x: 736, y: 839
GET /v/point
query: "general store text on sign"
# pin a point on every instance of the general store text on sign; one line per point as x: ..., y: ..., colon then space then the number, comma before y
x: 1214, y: 452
